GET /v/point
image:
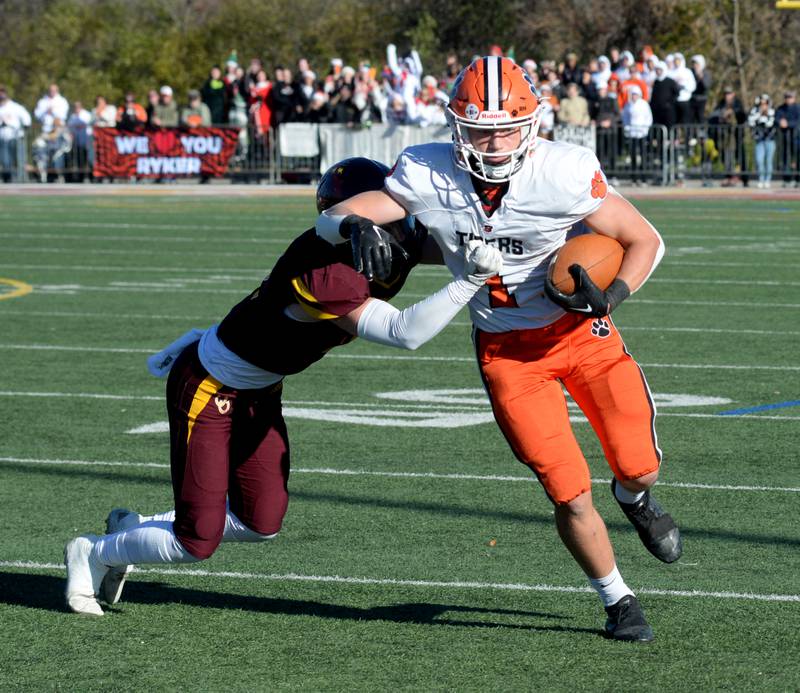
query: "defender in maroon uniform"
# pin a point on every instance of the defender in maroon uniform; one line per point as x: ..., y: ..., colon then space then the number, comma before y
x: 228, y: 444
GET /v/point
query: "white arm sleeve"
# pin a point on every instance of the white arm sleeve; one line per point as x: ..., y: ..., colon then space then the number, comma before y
x: 327, y: 227
x: 411, y: 327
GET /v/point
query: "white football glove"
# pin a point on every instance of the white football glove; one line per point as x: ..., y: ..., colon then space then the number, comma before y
x: 482, y: 262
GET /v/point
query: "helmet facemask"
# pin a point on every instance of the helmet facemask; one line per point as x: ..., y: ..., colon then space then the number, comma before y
x: 479, y: 163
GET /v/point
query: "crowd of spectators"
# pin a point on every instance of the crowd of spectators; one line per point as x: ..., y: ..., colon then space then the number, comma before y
x: 622, y: 95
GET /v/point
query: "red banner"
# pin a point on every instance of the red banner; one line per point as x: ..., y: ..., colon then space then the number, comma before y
x: 163, y: 152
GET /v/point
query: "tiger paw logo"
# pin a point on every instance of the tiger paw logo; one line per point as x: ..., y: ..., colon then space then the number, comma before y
x: 223, y: 404
x: 599, y: 186
x: 600, y: 328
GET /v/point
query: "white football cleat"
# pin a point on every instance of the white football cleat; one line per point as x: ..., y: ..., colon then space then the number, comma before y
x: 113, y: 582
x: 84, y: 575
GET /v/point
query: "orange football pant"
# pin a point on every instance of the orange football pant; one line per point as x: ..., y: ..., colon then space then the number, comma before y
x: 524, y: 370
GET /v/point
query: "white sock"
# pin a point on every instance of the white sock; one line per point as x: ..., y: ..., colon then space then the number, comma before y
x: 611, y: 588
x: 625, y: 496
x: 236, y: 530
x: 153, y: 541
x: 168, y: 516
x: 149, y: 542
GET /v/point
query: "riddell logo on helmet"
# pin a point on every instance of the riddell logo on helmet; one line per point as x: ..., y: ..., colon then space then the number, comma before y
x: 494, y: 115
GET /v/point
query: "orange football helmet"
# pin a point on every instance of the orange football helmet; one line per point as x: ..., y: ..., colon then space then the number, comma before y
x: 493, y: 94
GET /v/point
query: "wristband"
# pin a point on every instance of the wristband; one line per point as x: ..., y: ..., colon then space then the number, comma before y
x: 616, y: 293
x: 328, y: 228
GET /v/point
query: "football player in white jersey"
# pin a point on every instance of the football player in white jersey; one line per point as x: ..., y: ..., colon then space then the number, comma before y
x: 500, y: 184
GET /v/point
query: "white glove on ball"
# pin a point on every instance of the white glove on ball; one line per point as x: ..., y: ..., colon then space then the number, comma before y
x: 482, y: 262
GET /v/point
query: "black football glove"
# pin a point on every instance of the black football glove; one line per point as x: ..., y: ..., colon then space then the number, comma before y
x: 588, y: 298
x: 372, y: 246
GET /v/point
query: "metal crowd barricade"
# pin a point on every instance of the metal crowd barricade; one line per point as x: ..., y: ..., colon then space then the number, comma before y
x: 713, y: 152
x: 644, y: 160
x: 787, y: 156
x: 13, y: 158
x: 299, y: 152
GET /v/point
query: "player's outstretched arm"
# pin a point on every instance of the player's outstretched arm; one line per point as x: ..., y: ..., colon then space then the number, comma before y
x: 410, y: 328
x: 358, y: 221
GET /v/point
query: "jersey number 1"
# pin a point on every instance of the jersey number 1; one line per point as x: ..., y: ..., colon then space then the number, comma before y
x: 498, y: 294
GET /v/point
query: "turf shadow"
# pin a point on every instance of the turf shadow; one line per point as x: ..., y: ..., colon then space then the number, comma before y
x: 37, y: 591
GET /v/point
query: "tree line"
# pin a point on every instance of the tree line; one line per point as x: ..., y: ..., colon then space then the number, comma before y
x: 108, y: 47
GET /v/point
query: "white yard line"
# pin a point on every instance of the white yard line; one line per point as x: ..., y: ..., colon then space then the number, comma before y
x: 373, y: 406
x: 204, y: 319
x: 329, y: 471
x: 454, y: 323
x: 255, y: 272
x: 191, y: 252
x: 155, y: 238
x: 434, y: 584
x: 389, y: 357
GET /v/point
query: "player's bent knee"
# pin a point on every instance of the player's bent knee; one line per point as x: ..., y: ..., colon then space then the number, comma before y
x: 201, y: 549
x: 640, y: 483
x: 253, y: 535
x: 200, y: 537
x: 577, y: 508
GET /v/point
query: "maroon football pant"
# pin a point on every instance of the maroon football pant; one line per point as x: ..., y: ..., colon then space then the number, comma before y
x: 225, y: 445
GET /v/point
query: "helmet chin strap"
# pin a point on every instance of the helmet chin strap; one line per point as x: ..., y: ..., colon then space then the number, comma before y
x: 499, y: 171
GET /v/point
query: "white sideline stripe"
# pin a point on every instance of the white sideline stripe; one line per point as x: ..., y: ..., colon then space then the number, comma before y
x: 193, y: 252
x: 427, y: 270
x: 788, y: 238
x: 121, y: 316
x: 369, y: 406
x: 692, y: 330
x: 453, y: 323
x: 287, y: 402
x: 735, y: 304
x: 404, y: 475
x: 393, y: 582
x: 738, y: 282
x: 156, y: 238
x: 47, y: 289
x: 255, y: 271
x: 380, y: 357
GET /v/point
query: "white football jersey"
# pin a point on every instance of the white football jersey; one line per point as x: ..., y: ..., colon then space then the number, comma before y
x: 557, y: 186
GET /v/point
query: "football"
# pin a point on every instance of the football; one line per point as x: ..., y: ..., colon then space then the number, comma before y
x: 600, y: 256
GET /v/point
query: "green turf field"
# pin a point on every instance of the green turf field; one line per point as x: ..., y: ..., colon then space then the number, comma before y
x: 417, y: 553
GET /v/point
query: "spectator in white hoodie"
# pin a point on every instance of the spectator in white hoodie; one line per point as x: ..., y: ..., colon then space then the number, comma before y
x: 51, y: 107
x: 684, y: 77
x: 636, y: 120
x: 13, y: 121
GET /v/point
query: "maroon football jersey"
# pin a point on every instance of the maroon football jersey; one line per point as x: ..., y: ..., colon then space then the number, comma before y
x: 320, y: 277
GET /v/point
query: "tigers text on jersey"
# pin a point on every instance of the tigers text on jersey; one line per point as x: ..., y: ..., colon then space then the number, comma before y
x: 558, y: 185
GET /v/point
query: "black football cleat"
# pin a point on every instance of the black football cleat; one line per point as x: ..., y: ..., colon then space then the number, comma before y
x: 626, y: 621
x: 657, y: 530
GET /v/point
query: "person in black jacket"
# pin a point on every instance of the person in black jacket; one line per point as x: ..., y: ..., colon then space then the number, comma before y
x: 605, y: 113
x: 664, y: 98
x: 725, y: 129
x: 702, y: 77
x: 284, y: 97
x: 214, y: 96
x: 787, y: 116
